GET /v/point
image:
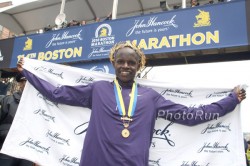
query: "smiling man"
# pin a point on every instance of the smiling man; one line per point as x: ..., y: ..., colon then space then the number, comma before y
x: 123, y: 113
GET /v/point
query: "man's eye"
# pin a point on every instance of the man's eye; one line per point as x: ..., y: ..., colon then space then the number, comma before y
x: 131, y: 63
x: 119, y: 62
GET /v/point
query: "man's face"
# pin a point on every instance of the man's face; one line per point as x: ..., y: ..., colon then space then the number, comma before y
x: 22, y: 84
x: 194, y: 2
x: 126, y: 64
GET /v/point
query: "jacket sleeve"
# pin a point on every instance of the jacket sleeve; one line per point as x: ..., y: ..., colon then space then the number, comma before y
x: 70, y: 95
x: 3, y: 107
x: 195, y: 115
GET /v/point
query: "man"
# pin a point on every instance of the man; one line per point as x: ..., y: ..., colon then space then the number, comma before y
x: 248, y: 152
x: 123, y: 113
x: 8, y: 110
x: 246, y: 147
x: 194, y: 3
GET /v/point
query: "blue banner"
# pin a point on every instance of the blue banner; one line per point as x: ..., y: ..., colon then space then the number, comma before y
x: 204, y: 27
x: 104, y: 66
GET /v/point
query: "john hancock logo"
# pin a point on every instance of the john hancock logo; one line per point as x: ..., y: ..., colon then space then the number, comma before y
x: 218, y: 127
x: 216, y: 147
x: 154, y: 162
x: 36, y: 145
x: 218, y: 94
x: 85, y: 80
x: 69, y: 161
x: 45, y: 114
x: 47, y: 101
x: 58, y: 74
x: 177, y: 93
x: 28, y: 44
x: 203, y: 19
x: 57, y: 138
x: 164, y: 134
x: 193, y: 163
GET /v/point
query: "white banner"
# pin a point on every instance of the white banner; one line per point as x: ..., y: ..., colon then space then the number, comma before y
x: 52, y: 134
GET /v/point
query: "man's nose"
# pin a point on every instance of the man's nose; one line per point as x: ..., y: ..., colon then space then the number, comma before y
x: 125, y: 64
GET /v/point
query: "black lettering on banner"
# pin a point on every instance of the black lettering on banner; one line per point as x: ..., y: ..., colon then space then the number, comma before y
x: 69, y: 160
x: 218, y: 127
x: 85, y: 79
x: 164, y: 134
x: 154, y: 162
x: 193, y: 163
x: 214, y: 148
x: 82, y: 128
x: 44, y: 114
x: 35, y: 145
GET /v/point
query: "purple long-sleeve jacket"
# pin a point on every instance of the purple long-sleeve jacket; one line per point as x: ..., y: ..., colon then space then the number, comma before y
x: 104, y: 144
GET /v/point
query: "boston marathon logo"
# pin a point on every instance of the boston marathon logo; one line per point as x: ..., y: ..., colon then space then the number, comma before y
x: 104, y: 69
x: 103, y: 38
x: 203, y: 19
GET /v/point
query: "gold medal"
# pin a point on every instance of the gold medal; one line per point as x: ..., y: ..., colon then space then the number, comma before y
x: 125, y: 133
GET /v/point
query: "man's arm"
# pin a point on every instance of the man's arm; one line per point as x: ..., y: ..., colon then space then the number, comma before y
x: 195, y: 115
x: 70, y: 95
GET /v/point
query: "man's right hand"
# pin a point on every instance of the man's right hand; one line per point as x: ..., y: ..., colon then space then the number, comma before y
x: 20, y: 64
x: 240, y: 92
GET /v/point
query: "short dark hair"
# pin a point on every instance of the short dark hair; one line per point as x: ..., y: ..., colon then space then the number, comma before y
x: 20, y: 77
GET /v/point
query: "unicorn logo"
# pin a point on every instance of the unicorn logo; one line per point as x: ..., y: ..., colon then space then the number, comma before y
x: 103, y: 32
x: 203, y: 19
x: 28, y: 44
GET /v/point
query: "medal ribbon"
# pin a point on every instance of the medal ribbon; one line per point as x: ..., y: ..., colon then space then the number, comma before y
x: 120, y: 102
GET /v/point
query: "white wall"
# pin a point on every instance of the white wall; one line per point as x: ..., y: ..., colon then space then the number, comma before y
x: 223, y: 74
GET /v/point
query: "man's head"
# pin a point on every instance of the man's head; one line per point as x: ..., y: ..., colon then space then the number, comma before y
x: 21, y: 81
x: 127, y: 59
x: 194, y: 2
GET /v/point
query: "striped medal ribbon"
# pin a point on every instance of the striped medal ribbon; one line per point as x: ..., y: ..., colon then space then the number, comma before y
x: 126, y: 119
